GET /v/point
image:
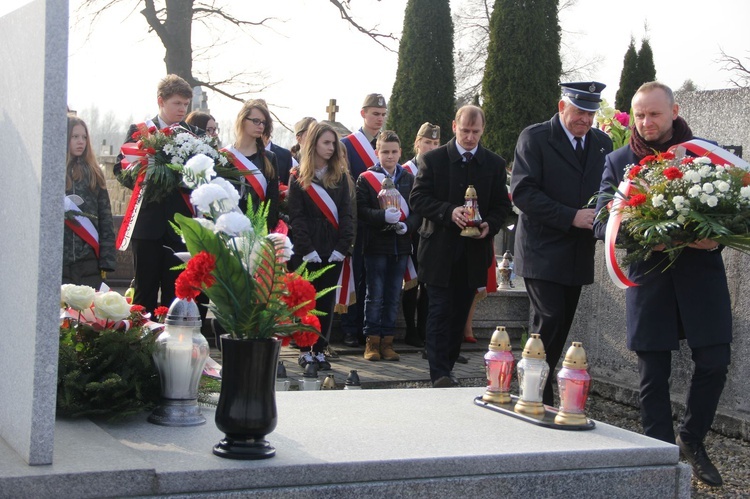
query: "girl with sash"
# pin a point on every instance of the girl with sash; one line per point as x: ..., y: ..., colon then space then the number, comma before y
x: 89, y: 237
x: 320, y: 213
x: 387, y: 245
x: 248, y: 154
x: 414, y: 299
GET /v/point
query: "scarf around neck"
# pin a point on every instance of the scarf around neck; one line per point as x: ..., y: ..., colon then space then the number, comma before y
x: 680, y: 133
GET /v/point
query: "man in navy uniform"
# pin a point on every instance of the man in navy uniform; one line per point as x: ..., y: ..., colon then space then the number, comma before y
x: 360, y: 153
x: 684, y: 299
x: 452, y: 266
x: 557, y: 168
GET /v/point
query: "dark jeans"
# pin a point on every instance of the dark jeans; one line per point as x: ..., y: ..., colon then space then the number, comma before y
x: 385, y: 273
x: 352, y: 322
x: 554, y: 306
x: 706, y: 385
x: 448, y: 311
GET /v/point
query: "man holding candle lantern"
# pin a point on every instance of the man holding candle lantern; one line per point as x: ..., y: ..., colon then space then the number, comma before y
x: 451, y: 266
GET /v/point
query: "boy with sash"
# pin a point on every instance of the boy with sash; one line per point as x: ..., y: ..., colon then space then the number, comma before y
x: 148, y: 229
x: 387, y: 245
x: 360, y: 152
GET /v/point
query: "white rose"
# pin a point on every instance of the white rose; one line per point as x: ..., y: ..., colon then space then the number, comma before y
x: 670, y: 213
x: 233, y: 224
x: 201, y: 166
x: 203, y: 196
x: 111, y: 305
x: 705, y: 171
x: 702, y: 160
x: 722, y: 185
x: 681, y: 219
x: 77, y: 297
x: 678, y: 201
x: 694, y: 191
x: 745, y: 191
x: 712, y: 201
x: 693, y: 176
x: 708, y: 188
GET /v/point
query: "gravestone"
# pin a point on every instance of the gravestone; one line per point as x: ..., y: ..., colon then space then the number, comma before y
x: 33, y: 131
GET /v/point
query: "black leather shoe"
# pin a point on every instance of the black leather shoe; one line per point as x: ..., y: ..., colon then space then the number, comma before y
x: 445, y: 382
x: 351, y: 341
x: 703, y: 469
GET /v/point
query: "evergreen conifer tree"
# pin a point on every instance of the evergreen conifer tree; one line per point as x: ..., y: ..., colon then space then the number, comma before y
x: 520, y: 84
x: 628, y: 79
x: 425, y: 86
x: 646, y: 69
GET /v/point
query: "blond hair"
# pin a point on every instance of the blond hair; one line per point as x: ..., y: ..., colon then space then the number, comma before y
x: 247, y: 108
x: 337, y: 166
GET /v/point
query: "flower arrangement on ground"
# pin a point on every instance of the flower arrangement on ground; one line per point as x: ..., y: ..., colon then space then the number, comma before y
x: 158, y: 154
x: 614, y: 123
x: 105, y: 365
x: 677, y: 201
x: 241, y: 267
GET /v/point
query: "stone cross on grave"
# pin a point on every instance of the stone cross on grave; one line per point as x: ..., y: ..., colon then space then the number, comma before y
x: 332, y: 108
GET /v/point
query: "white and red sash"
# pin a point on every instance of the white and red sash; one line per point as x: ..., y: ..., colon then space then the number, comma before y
x: 345, y: 291
x: 375, y: 179
x: 411, y: 167
x: 84, y: 228
x: 698, y: 147
x: 363, y: 147
x: 254, y: 176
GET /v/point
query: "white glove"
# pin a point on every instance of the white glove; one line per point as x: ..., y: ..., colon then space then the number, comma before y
x: 392, y: 215
x: 401, y: 229
x: 313, y: 257
x: 335, y: 257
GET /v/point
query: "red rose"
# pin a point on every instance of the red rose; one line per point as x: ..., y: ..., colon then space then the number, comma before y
x: 634, y: 171
x: 300, y: 292
x: 136, y: 135
x: 152, y: 128
x: 167, y: 131
x: 672, y: 173
x: 636, y: 199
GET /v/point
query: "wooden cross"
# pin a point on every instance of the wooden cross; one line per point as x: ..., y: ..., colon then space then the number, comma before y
x: 332, y: 108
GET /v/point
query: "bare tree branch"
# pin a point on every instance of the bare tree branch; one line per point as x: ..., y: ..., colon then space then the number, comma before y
x: 376, y: 36
x: 733, y: 64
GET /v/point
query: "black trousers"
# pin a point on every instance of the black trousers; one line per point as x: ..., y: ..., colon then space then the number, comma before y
x: 152, y: 262
x: 553, y: 306
x: 414, y: 303
x: 710, y: 374
x: 447, y: 312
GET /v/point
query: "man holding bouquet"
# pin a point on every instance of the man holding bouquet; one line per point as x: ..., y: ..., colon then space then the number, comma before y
x: 686, y: 298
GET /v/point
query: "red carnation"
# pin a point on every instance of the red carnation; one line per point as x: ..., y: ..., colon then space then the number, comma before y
x: 136, y: 135
x: 647, y: 159
x: 634, y: 171
x: 636, y: 200
x: 665, y: 156
x: 184, y: 288
x: 160, y: 313
x: 137, y: 309
x: 672, y: 173
x: 686, y: 160
x: 167, y: 131
x: 199, y: 268
x: 300, y: 292
x: 285, y: 340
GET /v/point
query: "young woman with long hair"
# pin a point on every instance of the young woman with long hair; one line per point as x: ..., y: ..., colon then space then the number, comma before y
x: 322, y: 219
x: 89, y: 236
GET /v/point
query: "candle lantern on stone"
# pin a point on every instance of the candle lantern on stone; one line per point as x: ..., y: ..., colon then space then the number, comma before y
x: 504, y: 272
x: 471, y: 209
x: 532, y: 375
x: 573, y: 382
x: 282, y: 381
x: 498, y: 363
x: 180, y: 355
x: 310, y: 381
x: 352, y: 381
x: 329, y: 383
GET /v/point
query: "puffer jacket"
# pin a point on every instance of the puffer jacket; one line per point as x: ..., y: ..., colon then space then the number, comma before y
x: 376, y: 240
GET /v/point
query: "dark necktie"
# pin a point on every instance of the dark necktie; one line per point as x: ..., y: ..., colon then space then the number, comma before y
x: 579, y: 149
x: 374, y: 143
x: 467, y: 156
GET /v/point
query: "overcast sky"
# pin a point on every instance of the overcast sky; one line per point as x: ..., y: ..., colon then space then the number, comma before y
x: 308, y: 55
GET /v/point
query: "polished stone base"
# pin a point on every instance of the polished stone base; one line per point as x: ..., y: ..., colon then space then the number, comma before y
x: 177, y: 413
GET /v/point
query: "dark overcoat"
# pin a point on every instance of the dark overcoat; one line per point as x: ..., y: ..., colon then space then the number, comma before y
x: 549, y: 185
x: 690, y: 299
x: 439, y: 188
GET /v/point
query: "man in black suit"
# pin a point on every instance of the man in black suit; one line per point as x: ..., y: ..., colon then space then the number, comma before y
x: 153, y: 239
x: 685, y: 299
x: 451, y: 266
x: 557, y: 168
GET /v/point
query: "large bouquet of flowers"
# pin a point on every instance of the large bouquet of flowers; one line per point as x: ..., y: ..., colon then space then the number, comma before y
x: 159, y: 154
x: 105, y: 366
x: 674, y: 202
x: 614, y: 123
x: 241, y: 267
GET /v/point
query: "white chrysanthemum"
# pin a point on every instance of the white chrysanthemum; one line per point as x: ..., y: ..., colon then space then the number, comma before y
x: 182, y: 137
x: 693, y: 176
x: 657, y: 200
x: 694, y: 191
x: 722, y: 185
x: 705, y: 171
x: 222, y: 160
x: 712, y: 201
x: 708, y: 188
x: 283, y: 245
x: 203, y: 196
x: 168, y: 148
x: 702, y: 160
x: 745, y: 191
x: 233, y: 224
x: 201, y: 165
x: 208, y: 224
x: 231, y: 190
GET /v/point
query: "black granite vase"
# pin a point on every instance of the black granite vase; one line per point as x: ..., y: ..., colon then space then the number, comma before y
x: 247, y: 404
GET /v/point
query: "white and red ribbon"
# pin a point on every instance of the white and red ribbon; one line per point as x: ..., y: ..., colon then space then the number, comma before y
x: 254, y: 176
x: 84, y: 228
x: 716, y: 154
x: 411, y: 167
x: 364, y: 148
x: 613, y: 227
